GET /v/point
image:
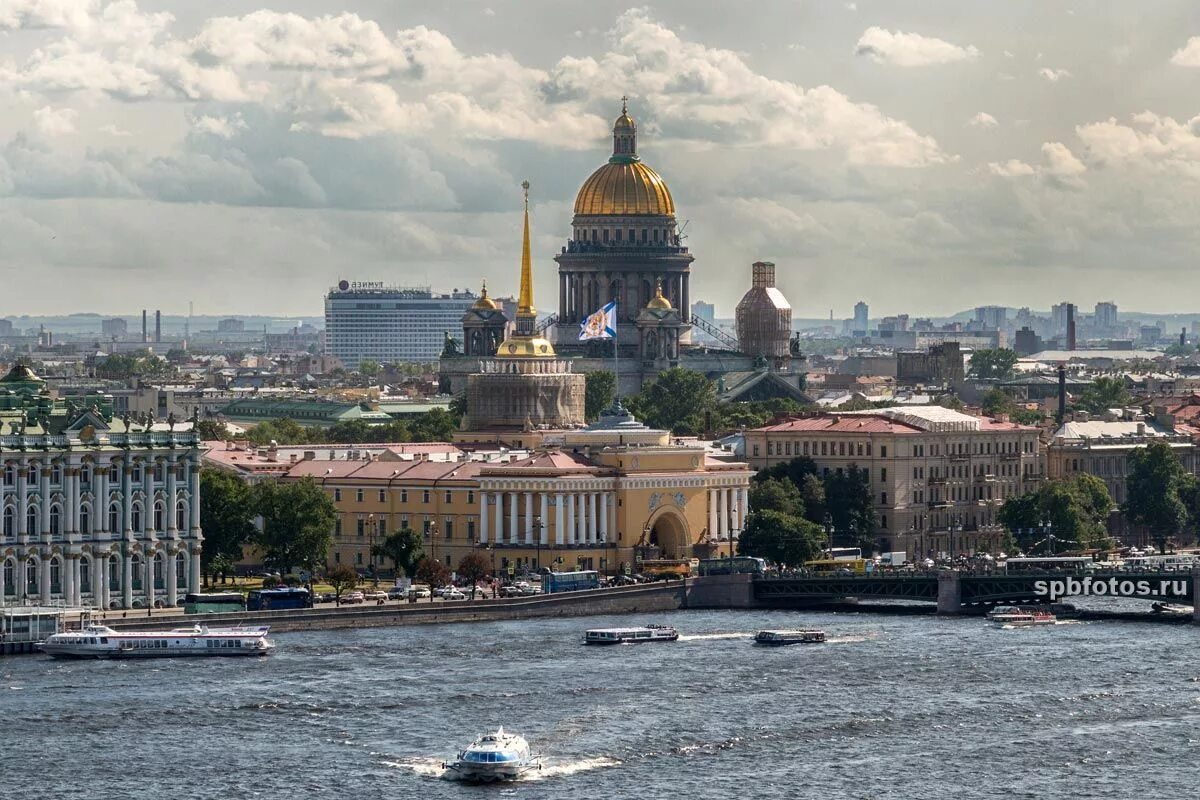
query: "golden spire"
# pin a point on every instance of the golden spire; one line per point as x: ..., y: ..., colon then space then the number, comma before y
x: 525, y: 300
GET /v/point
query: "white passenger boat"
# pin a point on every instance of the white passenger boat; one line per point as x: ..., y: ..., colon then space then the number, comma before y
x: 781, y: 638
x: 99, y: 641
x: 492, y: 757
x: 1020, y: 616
x: 645, y: 633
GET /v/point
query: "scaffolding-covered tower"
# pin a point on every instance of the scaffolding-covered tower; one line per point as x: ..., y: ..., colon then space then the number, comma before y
x: 764, y: 316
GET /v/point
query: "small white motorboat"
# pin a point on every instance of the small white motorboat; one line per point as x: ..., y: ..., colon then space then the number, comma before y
x: 1171, y: 609
x: 781, y: 638
x: 1020, y: 616
x: 645, y: 633
x: 494, y: 757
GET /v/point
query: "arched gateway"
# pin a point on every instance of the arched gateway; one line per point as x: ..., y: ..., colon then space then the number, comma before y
x: 669, y: 533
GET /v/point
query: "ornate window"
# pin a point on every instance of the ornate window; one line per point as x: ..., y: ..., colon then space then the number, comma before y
x: 135, y: 516
x: 159, y: 569
x: 55, y: 520
x: 180, y: 571
x: 181, y: 515
x: 10, y: 475
x: 85, y: 575
x: 10, y: 577
x: 10, y: 522
x: 114, y: 518
x: 114, y: 574
x: 31, y: 520
x: 159, y: 516
x: 136, y: 561
x: 56, y: 576
x: 31, y: 576
x: 85, y: 519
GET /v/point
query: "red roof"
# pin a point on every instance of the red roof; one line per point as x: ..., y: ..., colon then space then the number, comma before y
x: 858, y: 423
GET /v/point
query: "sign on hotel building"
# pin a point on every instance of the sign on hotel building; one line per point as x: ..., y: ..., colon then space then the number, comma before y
x: 937, y: 476
x: 97, y: 510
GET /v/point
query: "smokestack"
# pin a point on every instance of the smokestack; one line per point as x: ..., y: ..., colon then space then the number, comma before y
x: 1070, y: 326
x: 144, y: 335
x: 1062, y: 393
x: 157, y: 325
x: 1182, y: 337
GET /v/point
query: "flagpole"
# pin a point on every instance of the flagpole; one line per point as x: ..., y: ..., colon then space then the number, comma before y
x: 616, y: 365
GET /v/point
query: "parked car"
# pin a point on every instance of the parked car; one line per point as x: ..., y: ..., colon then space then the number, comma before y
x: 623, y: 580
x: 451, y: 593
x: 419, y: 592
x: 325, y: 597
x: 510, y: 590
x: 354, y: 597
x: 375, y: 595
x: 397, y: 593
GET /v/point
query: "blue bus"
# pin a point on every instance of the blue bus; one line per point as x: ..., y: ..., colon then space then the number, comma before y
x: 735, y: 565
x: 213, y: 603
x: 278, y: 599
x: 570, y: 581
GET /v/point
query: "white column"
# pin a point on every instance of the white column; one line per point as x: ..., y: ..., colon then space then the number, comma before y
x: 544, y: 533
x: 2, y: 561
x: 45, y: 507
x: 560, y: 521
x: 593, y: 529
x: 743, y: 509
x: 172, y: 498
x: 22, y: 507
x: 77, y: 563
x: 513, y: 534
x: 194, y: 502
x: 499, y: 526
x: 722, y: 513
x: 66, y: 580
x: 44, y: 578
x: 571, y: 518
x: 529, y: 518
x: 735, y: 511
x: 100, y: 579
x: 99, y: 500
x: 581, y: 519
x: 171, y: 579
x: 126, y: 504
x: 604, y: 517
x: 712, y: 513
x: 127, y: 581
x: 194, y: 571
x: 483, y: 517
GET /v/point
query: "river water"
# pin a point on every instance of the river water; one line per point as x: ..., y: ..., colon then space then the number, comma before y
x: 891, y: 707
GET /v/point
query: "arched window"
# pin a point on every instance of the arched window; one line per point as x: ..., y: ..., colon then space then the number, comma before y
x: 114, y: 574
x: 56, y: 576
x: 137, y: 472
x: 114, y: 472
x: 159, y: 569
x: 10, y: 522
x: 85, y: 519
x: 135, y: 517
x: 85, y: 474
x: 180, y: 571
x: 55, y: 520
x: 159, y: 516
x: 85, y: 575
x: 10, y: 576
x: 137, y: 572
x: 56, y: 473
x: 31, y: 571
x: 32, y: 477
x: 181, y: 515
x: 31, y: 520
x: 114, y: 518
x: 10, y: 475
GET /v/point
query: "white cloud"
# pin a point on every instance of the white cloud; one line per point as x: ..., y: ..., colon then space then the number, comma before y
x: 1013, y: 168
x: 910, y: 49
x: 982, y: 120
x: 222, y: 127
x: 1148, y: 141
x: 1060, y: 161
x: 114, y: 130
x: 1059, y: 168
x: 55, y: 121
x: 1053, y: 75
x: 1189, y: 54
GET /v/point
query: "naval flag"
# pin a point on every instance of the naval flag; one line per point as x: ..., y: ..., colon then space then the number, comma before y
x: 600, y: 325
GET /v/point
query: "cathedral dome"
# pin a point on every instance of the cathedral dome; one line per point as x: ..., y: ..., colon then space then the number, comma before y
x: 484, y: 303
x: 624, y: 186
x: 658, y: 302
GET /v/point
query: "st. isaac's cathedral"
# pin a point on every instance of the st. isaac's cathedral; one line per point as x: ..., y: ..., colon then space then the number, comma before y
x: 625, y: 245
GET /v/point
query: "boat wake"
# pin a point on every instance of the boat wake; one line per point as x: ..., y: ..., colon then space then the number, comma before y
x: 425, y: 767
x: 551, y: 767
x: 702, y: 636
x: 849, y: 639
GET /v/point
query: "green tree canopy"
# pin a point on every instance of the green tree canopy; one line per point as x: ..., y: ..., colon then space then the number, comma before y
x: 368, y: 367
x: 601, y: 388
x: 284, y: 431
x: 473, y: 568
x: 780, y: 538
x: 435, y: 425
x: 404, y: 548
x: 1103, y: 394
x: 298, y: 519
x: 227, y: 514
x: 211, y: 430
x: 676, y: 401
x: 342, y: 578
x: 996, y: 402
x: 433, y: 573
x: 850, y: 507
x: 992, y: 364
x: 1155, y: 490
x: 1075, y: 512
x: 776, y: 494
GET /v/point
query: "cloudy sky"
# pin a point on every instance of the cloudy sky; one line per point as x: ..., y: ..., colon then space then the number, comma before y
x: 925, y: 156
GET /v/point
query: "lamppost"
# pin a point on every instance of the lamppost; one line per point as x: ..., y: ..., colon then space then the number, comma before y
x: 372, y: 529
x: 828, y: 536
x: 537, y: 532
x: 956, y: 530
x: 432, y: 531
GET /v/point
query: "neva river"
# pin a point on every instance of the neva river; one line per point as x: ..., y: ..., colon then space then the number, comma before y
x: 891, y: 707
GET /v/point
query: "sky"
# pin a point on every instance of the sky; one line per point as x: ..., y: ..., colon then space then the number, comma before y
x: 926, y: 156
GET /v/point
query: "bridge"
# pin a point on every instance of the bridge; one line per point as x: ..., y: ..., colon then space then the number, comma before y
x: 955, y: 591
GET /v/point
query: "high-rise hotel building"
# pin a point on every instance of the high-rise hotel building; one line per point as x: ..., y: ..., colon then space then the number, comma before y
x: 373, y: 321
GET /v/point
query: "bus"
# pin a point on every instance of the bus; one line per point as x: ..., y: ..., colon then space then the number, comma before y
x: 729, y: 566
x: 668, y: 567
x: 278, y: 599
x: 833, y: 566
x: 1072, y: 564
x: 1171, y: 561
x: 570, y: 581
x: 213, y: 603
x: 844, y: 553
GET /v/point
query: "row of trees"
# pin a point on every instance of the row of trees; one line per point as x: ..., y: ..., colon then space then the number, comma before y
x: 791, y: 506
x: 435, y: 425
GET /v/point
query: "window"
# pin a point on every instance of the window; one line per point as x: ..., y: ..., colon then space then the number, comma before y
x: 114, y: 517
x: 181, y: 516
x: 31, y: 521
x: 358, y: 559
x: 33, y: 474
x: 383, y: 495
x: 471, y: 530
x: 362, y: 526
x: 787, y: 448
x: 425, y: 496
x: 337, y: 495
x: 10, y: 475
x: 55, y: 520
x: 160, y: 514
x: 85, y: 474
x: 449, y: 528
x: 56, y: 473
x: 358, y: 495
x: 449, y: 497
x: 404, y: 495
x: 756, y: 449
x: 471, y: 493
x: 337, y: 527
x: 883, y: 451
x: 842, y: 449
x: 137, y: 473
x: 31, y: 577
x: 883, y: 521
x: 883, y: 473
x: 135, y: 515
x: 114, y: 472
x: 10, y: 522
x: 770, y: 448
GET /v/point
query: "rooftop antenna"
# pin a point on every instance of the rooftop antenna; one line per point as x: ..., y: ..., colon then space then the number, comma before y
x: 683, y: 228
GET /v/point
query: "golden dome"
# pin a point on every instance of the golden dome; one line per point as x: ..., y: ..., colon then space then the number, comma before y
x: 658, y: 302
x: 484, y: 303
x: 623, y: 189
x: 624, y: 121
x: 518, y: 346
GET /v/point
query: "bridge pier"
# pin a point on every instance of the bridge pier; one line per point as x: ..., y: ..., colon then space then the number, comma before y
x: 1195, y: 595
x: 949, y: 592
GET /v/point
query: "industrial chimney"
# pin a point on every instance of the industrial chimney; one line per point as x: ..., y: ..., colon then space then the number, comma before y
x: 157, y: 325
x: 1062, y: 393
x: 1070, y: 326
x: 144, y: 334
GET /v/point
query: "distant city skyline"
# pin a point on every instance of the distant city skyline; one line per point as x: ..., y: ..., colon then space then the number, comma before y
x: 941, y: 154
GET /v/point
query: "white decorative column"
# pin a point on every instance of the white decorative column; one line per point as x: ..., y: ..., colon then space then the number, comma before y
x: 194, y: 571
x: 2, y: 582
x: 44, y: 578
x: 571, y: 518
x: 722, y: 513
x: 529, y: 518
x: 712, y: 513
x: 604, y: 517
x: 171, y: 579
x: 593, y: 501
x: 499, y: 527
x: 45, y: 507
x: 543, y: 532
x: 100, y: 579
x: 126, y: 581
x: 65, y: 582
x: 734, y: 511
x: 77, y: 580
x: 127, y: 503
x: 483, y: 517
x: 514, y: 535
x: 99, y: 500
x: 560, y: 521
x: 581, y: 521
x: 172, y: 499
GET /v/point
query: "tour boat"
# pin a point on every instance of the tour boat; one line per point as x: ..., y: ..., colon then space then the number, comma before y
x: 492, y: 757
x: 781, y: 638
x: 1020, y: 616
x: 646, y: 633
x: 100, y: 641
x: 1171, y: 609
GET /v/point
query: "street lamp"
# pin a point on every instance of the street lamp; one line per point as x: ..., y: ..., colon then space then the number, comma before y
x: 537, y: 532
x: 828, y: 536
x: 372, y: 529
x: 432, y: 531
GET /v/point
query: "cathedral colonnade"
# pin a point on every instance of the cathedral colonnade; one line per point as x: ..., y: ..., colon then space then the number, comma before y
x: 727, y: 510
x: 548, y: 517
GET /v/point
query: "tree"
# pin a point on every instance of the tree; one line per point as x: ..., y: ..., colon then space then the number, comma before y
x: 368, y: 367
x: 677, y: 400
x: 776, y: 494
x: 227, y: 514
x: 1075, y: 512
x: 1153, y: 487
x: 473, y: 567
x: 298, y: 519
x: 794, y: 470
x: 850, y: 507
x: 435, y: 425
x: 342, y: 578
x: 1103, y: 394
x: 432, y: 573
x: 812, y: 495
x: 992, y: 364
x: 601, y: 388
x: 951, y: 402
x: 211, y: 430
x: 779, y: 538
x: 996, y: 402
x: 283, y: 431
x: 403, y: 548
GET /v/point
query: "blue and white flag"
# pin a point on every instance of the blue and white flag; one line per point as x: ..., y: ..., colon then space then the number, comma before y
x: 600, y: 325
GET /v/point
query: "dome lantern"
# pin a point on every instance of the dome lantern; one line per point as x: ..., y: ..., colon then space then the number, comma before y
x: 624, y: 186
